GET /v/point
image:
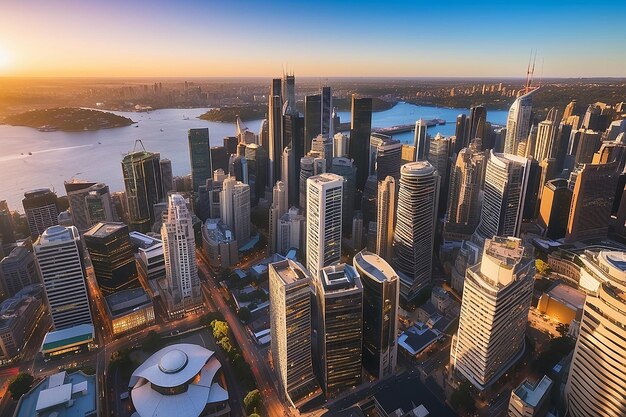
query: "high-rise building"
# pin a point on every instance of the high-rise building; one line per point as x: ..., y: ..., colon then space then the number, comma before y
x: 466, y: 179
x: 420, y: 140
x: 291, y: 231
x: 477, y: 124
x: 593, y: 187
x: 360, y: 132
x: 546, y: 136
x: 518, y: 122
x: 275, y: 118
x: 7, y: 228
x: 385, y: 156
x: 460, y: 133
x: 99, y: 205
x: 278, y: 208
x: 381, y: 291
x: 416, y: 218
x: 167, y: 176
x: 323, y: 218
x: 290, y: 327
x: 235, y: 208
x: 289, y: 88
x: 17, y: 271
x: 556, y: 200
x: 199, y: 156
x: 597, y: 377
x: 506, y: 178
x: 341, y: 144
x: 438, y: 156
x: 256, y: 161
x: 264, y: 134
x: 345, y: 167
x: 312, y: 119
x: 76, y: 192
x: 60, y: 261
x: 309, y: 166
x: 327, y: 112
x: 183, y: 292
x: 144, y: 188
x: 385, y: 221
x: 322, y: 145
x: 41, y: 210
x: 339, y: 294
x: 287, y: 171
x: 112, y: 257
x: 293, y: 128
x: 494, y: 312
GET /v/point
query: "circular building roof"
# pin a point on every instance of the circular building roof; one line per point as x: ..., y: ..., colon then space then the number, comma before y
x: 173, y: 361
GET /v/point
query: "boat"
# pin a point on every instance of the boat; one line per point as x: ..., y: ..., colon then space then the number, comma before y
x: 185, y: 118
x: 99, y: 143
x: 30, y: 153
x: 161, y: 130
x: 47, y: 128
x: 136, y: 125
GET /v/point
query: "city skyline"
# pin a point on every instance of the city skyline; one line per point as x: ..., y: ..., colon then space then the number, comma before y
x: 129, y: 40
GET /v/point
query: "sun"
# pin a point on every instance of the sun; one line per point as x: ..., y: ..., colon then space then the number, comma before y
x: 5, y: 58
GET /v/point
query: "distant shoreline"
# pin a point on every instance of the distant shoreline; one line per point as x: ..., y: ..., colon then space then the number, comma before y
x: 68, y: 119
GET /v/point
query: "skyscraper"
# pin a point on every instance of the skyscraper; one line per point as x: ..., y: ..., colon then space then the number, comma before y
x: 18, y: 270
x: 290, y: 326
x: 275, y: 118
x: 99, y: 205
x: 289, y: 87
x: 312, y: 119
x: 323, y: 146
x: 345, y: 167
x: 477, y: 124
x: 360, y: 131
x: 327, y: 112
x: 385, y: 156
x: 506, y: 178
x: 339, y: 295
x: 199, y: 157
x: 144, y: 188
x: 235, y: 208
x: 59, y: 258
x: 293, y: 127
x: 291, y: 231
x: 420, y: 140
x: 323, y: 218
x: 278, y: 208
x: 183, y: 292
x: 494, y: 312
x: 309, y: 166
x: 41, y: 210
x: 256, y: 161
x: 167, y: 177
x: 385, y: 221
x: 518, y: 122
x: 546, y: 137
x: 340, y: 145
x: 112, y: 257
x: 76, y: 192
x: 556, y: 199
x: 597, y: 378
x: 460, y: 133
x: 438, y: 156
x: 381, y: 291
x: 416, y: 217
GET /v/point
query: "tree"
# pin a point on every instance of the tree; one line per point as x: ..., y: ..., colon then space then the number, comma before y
x: 220, y: 329
x: 563, y: 329
x: 463, y: 398
x: 244, y: 315
x: 252, y: 401
x: 542, y: 267
x: 20, y: 385
x: 152, y: 342
x: 254, y: 415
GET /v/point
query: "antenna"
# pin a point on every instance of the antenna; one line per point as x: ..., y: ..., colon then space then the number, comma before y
x: 138, y: 141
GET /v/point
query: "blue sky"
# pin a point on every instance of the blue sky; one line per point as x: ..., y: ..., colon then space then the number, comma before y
x: 322, y: 38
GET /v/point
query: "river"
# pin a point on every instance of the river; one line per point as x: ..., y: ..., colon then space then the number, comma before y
x: 96, y: 156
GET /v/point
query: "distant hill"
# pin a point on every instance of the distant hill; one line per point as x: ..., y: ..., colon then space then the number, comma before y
x: 229, y: 114
x: 67, y: 119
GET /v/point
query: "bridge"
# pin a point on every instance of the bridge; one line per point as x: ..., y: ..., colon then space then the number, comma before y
x: 406, y: 128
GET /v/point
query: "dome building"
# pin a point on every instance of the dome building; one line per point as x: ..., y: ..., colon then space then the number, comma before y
x: 179, y: 380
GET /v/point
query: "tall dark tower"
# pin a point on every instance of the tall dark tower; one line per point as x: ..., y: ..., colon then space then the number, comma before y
x: 312, y: 119
x: 461, y: 127
x: 289, y: 90
x: 293, y: 136
x: 360, y: 131
x: 327, y: 112
x: 199, y: 157
x: 275, y: 117
x: 477, y: 121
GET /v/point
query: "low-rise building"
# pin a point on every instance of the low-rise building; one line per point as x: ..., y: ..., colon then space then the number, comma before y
x: 129, y: 310
x: 562, y: 303
x: 70, y: 340
x: 531, y: 400
x: 18, y: 317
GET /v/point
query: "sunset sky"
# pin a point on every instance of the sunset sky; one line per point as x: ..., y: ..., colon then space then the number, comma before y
x: 317, y: 38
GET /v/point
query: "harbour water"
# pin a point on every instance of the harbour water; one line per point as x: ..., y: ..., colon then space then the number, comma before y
x: 95, y: 156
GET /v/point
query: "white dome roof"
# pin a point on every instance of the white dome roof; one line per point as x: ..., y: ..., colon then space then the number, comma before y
x: 173, y: 361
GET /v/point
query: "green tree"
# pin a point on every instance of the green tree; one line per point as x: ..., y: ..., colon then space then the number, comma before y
x: 542, y: 267
x: 220, y: 329
x: 252, y: 402
x: 463, y: 398
x: 152, y: 342
x: 254, y: 415
x: 20, y: 385
x: 244, y: 315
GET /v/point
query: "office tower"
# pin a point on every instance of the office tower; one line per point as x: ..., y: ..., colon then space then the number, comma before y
x: 533, y: 185
x: 518, y: 122
x: 99, y: 206
x: 291, y: 231
x: 199, y: 156
x: 339, y: 294
x: 466, y: 179
x: 369, y: 207
x: 357, y: 231
x: 235, y: 208
x: 323, y: 146
x: 144, y: 188
x: 264, y: 134
x: 548, y: 172
x: 230, y: 143
x: 167, y: 177
x: 381, y: 292
x: 309, y: 166
x: 290, y: 327
x: 360, y: 132
x: 556, y: 200
x: 327, y: 112
x: 112, y: 257
x: 278, y: 208
x: 460, y: 133
x: 531, y: 400
x: 477, y: 124
x: 7, y: 229
x: 59, y: 258
x: 287, y: 171
x: 570, y: 110
x: 120, y: 204
x: 420, y: 140
x: 586, y: 142
x: 385, y: 220
x: 597, y: 378
x: 506, y: 177
x: 256, y: 161
x: 289, y: 87
x: 341, y: 145
x: 345, y: 167
x: 611, y: 152
x: 220, y: 157
x: 416, y: 218
x: 438, y: 156
x: 529, y: 146
x: 183, y: 292
x: 238, y: 168
x: 561, y: 146
x: 17, y: 271
x: 323, y: 219
x: 275, y: 129
x: 593, y: 189
x: 385, y: 156
x: 76, y: 192
x: 494, y: 312
x: 312, y: 119
x: 293, y: 126
x: 546, y: 136
x: 41, y: 210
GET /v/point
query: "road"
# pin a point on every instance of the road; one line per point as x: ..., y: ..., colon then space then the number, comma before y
x: 259, y: 364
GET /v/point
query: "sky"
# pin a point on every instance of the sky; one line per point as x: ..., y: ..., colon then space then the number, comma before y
x: 232, y: 38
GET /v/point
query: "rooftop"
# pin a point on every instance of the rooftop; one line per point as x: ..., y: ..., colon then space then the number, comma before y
x: 290, y: 271
x: 125, y: 301
x: 508, y: 250
x: 417, y: 168
x: 325, y: 178
x: 338, y: 278
x: 568, y: 295
x: 57, y: 234
x: 375, y: 266
x: 105, y: 229
x: 76, y: 334
x: 144, y: 241
x: 532, y: 394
